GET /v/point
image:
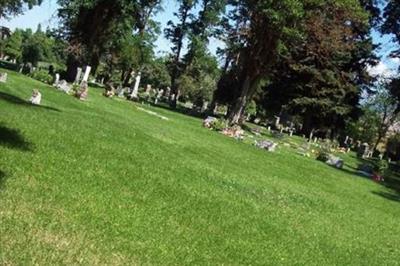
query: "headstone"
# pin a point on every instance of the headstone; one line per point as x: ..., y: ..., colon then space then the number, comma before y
x: 291, y: 133
x: 335, y: 161
x: 215, y: 111
x: 56, y: 79
x: 158, y: 96
x: 82, y: 94
x: 363, y: 150
x: 208, y: 121
x: 110, y: 90
x: 365, y: 170
x: 3, y: 77
x: 168, y: 92
x: 204, y: 107
x: 36, y: 97
x: 87, y: 73
x: 120, y: 91
x: 64, y: 86
x: 277, y: 121
x: 267, y: 145
x: 269, y: 129
x: 78, y: 75
x: 148, y: 89
x: 134, y: 94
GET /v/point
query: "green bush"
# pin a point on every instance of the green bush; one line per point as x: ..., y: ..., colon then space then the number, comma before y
x: 323, y: 156
x: 219, y: 124
x: 381, y: 167
x: 42, y: 76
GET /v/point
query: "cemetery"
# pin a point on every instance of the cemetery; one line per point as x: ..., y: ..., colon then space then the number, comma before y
x: 263, y: 135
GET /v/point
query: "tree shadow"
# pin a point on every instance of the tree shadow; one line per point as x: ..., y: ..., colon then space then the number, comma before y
x: 392, y: 181
x: 179, y: 109
x: 393, y: 196
x: 13, y: 139
x: 16, y: 100
x: 2, y: 179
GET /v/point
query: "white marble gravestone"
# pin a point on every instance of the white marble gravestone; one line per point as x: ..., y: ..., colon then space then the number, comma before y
x: 134, y: 94
x: 87, y: 73
x: 78, y: 75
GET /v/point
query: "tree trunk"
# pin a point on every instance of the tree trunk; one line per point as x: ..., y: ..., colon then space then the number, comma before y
x: 236, y: 111
x: 72, y: 65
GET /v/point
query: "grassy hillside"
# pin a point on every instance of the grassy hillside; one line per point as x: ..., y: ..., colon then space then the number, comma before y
x: 103, y: 182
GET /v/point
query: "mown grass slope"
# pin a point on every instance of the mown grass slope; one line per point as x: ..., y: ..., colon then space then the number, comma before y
x: 102, y: 182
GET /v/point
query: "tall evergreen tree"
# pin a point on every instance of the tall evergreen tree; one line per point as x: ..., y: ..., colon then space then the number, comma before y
x: 323, y: 76
x: 177, y: 33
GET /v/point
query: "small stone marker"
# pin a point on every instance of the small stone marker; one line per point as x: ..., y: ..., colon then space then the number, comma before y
x: 3, y: 77
x: 267, y: 145
x: 36, y: 97
x: 335, y: 161
x: 64, y: 86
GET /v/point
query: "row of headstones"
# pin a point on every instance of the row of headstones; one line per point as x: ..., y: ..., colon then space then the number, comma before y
x: 80, y: 78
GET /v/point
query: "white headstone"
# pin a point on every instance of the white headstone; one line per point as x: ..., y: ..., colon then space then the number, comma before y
x: 134, y: 94
x: 87, y: 73
x: 277, y: 121
x: 204, y: 107
x: 57, y: 79
x: 78, y: 75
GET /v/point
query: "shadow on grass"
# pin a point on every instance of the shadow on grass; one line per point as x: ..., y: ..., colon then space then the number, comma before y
x: 392, y: 181
x: 16, y: 100
x: 13, y: 139
x: 179, y: 109
x: 2, y: 179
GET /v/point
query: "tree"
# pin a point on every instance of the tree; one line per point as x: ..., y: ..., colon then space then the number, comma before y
x: 13, y: 45
x: 267, y: 25
x: 391, y: 22
x: 366, y: 128
x: 198, y: 81
x: 177, y: 33
x: 388, y: 109
x: 156, y: 74
x: 324, y: 74
x: 91, y: 26
x: 15, y: 7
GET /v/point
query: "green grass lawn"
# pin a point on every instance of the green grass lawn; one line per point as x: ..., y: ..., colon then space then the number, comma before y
x: 102, y: 182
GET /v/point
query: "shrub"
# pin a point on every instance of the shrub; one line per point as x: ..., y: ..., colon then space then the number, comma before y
x: 42, y: 76
x: 218, y: 124
x: 323, y: 156
x: 381, y: 167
